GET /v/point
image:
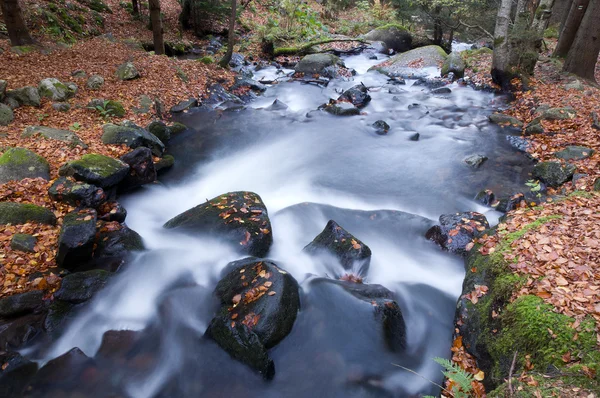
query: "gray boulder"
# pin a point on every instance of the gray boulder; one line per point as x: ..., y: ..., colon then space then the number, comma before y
x: 395, y: 37
x: 19, y: 163
x: 21, y: 213
x: 574, y: 152
x: 133, y: 136
x: 403, y: 65
x: 127, y: 71
x: 24, y: 96
x: 53, y: 134
x: 553, y: 174
x: 61, y: 106
x: 6, y: 115
x: 96, y: 169
x: 95, y: 82
x: 23, y: 242
x: 56, y: 90
x: 455, y: 64
x: 317, y: 63
x: 76, y: 240
x: 502, y: 119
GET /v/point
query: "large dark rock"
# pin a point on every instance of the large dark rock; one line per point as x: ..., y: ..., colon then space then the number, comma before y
x: 76, y: 240
x: 259, y: 304
x: 160, y: 130
x: 456, y: 231
x: 513, y: 202
x: 19, y: 163
x: 114, y: 246
x: 141, y: 168
x: 317, y: 63
x: 15, y: 373
x: 352, y: 254
x: 454, y: 64
x: 21, y: 213
x: 217, y: 94
x: 17, y: 332
x: 133, y: 136
x: 117, y: 344
x: 53, y: 134
x: 79, y: 287
x: 75, y: 193
x: 96, y: 169
x: 240, y: 217
x: 64, y: 370
x: 22, y: 303
x: 23, y: 242
x: 395, y: 37
x: 357, y: 96
x: 553, y: 174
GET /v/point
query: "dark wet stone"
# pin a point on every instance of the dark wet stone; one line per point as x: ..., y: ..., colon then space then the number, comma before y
x: 395, y: 38
x: 475, y: 161
x: 113, y: 248
x: 78, y: 194
x: 59, y: 313
x: 133, y: 136
x: 381, y: 127
x: 15, y: 373
x: 165, y: 163
x: 553, y: 174
x: 511, y: 203
x: 519, y: 143
x: 441, y: 90
x: 117, y: 344
x: 277, y: 106
x: 357, y: 96
x: 76, y: 240
x: 141, y: 168
x: 457, y: 230
x: 160, y: 130
x: 486, y: 198
x: 112, y: 211
x: 81, y: 286
x: 501, y: 119
x: 260, y: 302
x: 249, y: 83
x: 15, y: 333
x: 64, y: 369
x: 23, y: 242
x: 95, y: 169
x: 21, y: 303
x: 21, y: 213
x: 223, y: 215
x: 414, y: 137
x: 574, y: 152
x: 352, y: 254
x: 341, y: 109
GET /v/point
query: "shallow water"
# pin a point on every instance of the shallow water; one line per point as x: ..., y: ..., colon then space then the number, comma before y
x: 386, y: 190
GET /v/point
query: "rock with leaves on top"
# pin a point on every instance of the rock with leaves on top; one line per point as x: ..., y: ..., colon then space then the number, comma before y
x: 100, y: 170
x: 456, y: 231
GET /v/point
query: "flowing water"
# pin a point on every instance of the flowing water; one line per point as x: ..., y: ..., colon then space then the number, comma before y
x: 386, y: 190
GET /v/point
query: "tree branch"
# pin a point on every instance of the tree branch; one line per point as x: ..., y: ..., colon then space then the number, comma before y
x: 304, y: 49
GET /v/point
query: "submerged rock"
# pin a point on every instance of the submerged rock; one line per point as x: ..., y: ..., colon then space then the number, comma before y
x: 456, y: 231
x: 357, y: 96
x: 20, y: 213
x: 76, y: 240
x: 352, y: 254
x: 553, y: 174
x: 259, y: 304
x: 19, y: 163
x: 486, y: 198
x: 96, y: 169
x: 474, y: 161
x: 239, y: 217
x: 381, y: 127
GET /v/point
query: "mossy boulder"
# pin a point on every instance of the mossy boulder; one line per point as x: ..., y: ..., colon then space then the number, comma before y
x: 81, y: 286
x: 25, y: 96
x: 559, y: 114
x: 22, y: 303
x: 402, y: 64
x: 239, y: 217
x: 23, y: 242
x: 76, y: 240
x: 114, y: 108
x: 96, y: 169
x: 160, y: 130
x: 165, y: 163
x: 395, y: 37
x: 317, y: 63
x: 6, y: 115
x: 133, y: 136
x: 22, y: 213
x: 75, y: 193
x: 574, y: 152
x: 348, y: 251
x: 53, y: 134
x: 56, y: 90
x: 259, y: 305
x: 95, y: 82
x: 177, y: 128
x: 505, y: 120
x: 553, y: 174
x: 19, y: 163
x: 127, y: 71
x: 455, y: 64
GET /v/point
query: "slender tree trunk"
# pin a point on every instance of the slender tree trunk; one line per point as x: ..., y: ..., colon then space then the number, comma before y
x: 231, y: 37
x: 136, y: 7
x: 568, y: 32
x: 157, y: 31
x: 15, y: 24
x: 583, y: 55
x: 438, y: 33
x: 560, y: 12
x: 542, y: 17
x: 501, y: 74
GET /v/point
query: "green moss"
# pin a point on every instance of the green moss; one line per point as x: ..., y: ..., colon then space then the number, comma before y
x: 206, y: 60
x: 509, y: 238
x: 20, y: 156
x: 21, y: 213
x: 104, y: 166
x: 551, y: 33
x: 391, y: 26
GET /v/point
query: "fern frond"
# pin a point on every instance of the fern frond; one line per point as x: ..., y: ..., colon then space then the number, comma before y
x: 456, y: 374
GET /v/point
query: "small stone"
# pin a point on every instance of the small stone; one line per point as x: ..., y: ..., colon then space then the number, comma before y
x: 184, y: 105
x: 414, y: 137
x: 127, y: 71
x: 441, y: 90
x: 381, y: 127
x: 501, y: 119
x: 475, y: 161
x: 61, y: 106
x: 160, y: 130
x: 575, y: 85
x: 95, y: 82
x: 80, y: 74
x: 23, y: 242
x: 6, y: 115
x: 56, y: 90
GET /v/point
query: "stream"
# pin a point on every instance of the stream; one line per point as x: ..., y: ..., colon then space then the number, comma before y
x: 387, y: 190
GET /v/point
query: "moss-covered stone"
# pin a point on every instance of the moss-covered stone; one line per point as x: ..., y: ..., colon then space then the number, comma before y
x: 23, y: 242
x: 20, y: 163
x: 127, y: 71
x: 21, y: 213
x: 396, y: 37
x: 160, y: 130
x: 96, y: 169
x: 107, y: 107
x: 81, y: 286
x: 177, y: 128
x: 574, y: 152
x: 25, y: 96
x: 6, y: 115
x: 56, y: 90
x: 53, y: 134
x: 454, y: 63
x: 133, y: 136
x: 165, y: 163
x: 553, y: 174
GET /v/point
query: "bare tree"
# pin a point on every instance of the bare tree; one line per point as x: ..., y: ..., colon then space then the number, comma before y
x: 583, y: 55
x: 231, y: 37
x: 569, y: 30
x: 157, y: 30
x: 15, y: 24
x: 501, y: 73
x: 136, y: 7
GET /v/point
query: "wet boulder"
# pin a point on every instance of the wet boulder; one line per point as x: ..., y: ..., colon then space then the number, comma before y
x: 513, y: 202
x: 53, y: 134
x: 455, y: 64
x: 16, y: 332
x: 19, y: 163
x: 96, y: 169
x: 79, y: 287
x: 75, y: 193
x: 133, y: 136
x: 456, y: 231
x: 219, y: 95
x: 317, y: 63
x: 15, y: 373
x: 574, y: 152
x: 114, y: 246
x: 20, y: 213
x: 341, y: 108
x: 553, y: 174
x: 505, y: 120
x: 441, y: 91
x: 357, y: 96
x: 475, y: 161
x: 239, y: 217
x: 352, y: 254
x: 141, y: 168
x: 112, y: 211
x: 160, y: 130
x: 277, y: 106
x: 486, y: 198
x: 165, y: 163
x: 23, y: 242
x: 116, y: 344
x: 21, y: 303
x: 381, y: 127
x: 259, y: 305
x: 56, y: 90
x: 61, y: 371
x: 395, y: 37
x: 127, y: 71
x: 76, y: 240
x: 184, y: 105
x: 403, y: 64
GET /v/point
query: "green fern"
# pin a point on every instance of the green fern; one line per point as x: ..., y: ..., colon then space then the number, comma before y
x: 458, y: 375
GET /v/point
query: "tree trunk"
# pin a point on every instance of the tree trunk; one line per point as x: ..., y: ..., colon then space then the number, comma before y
x: 231, y: 37
x: 583, y: 55
x: 438, y: 33
x: 542, y: 17
x: 568, y: 32
x: 501, y: 74
x: 15, y: 24
x: 136, y: 7
x: 157, y: 31
x: 560, y: 11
